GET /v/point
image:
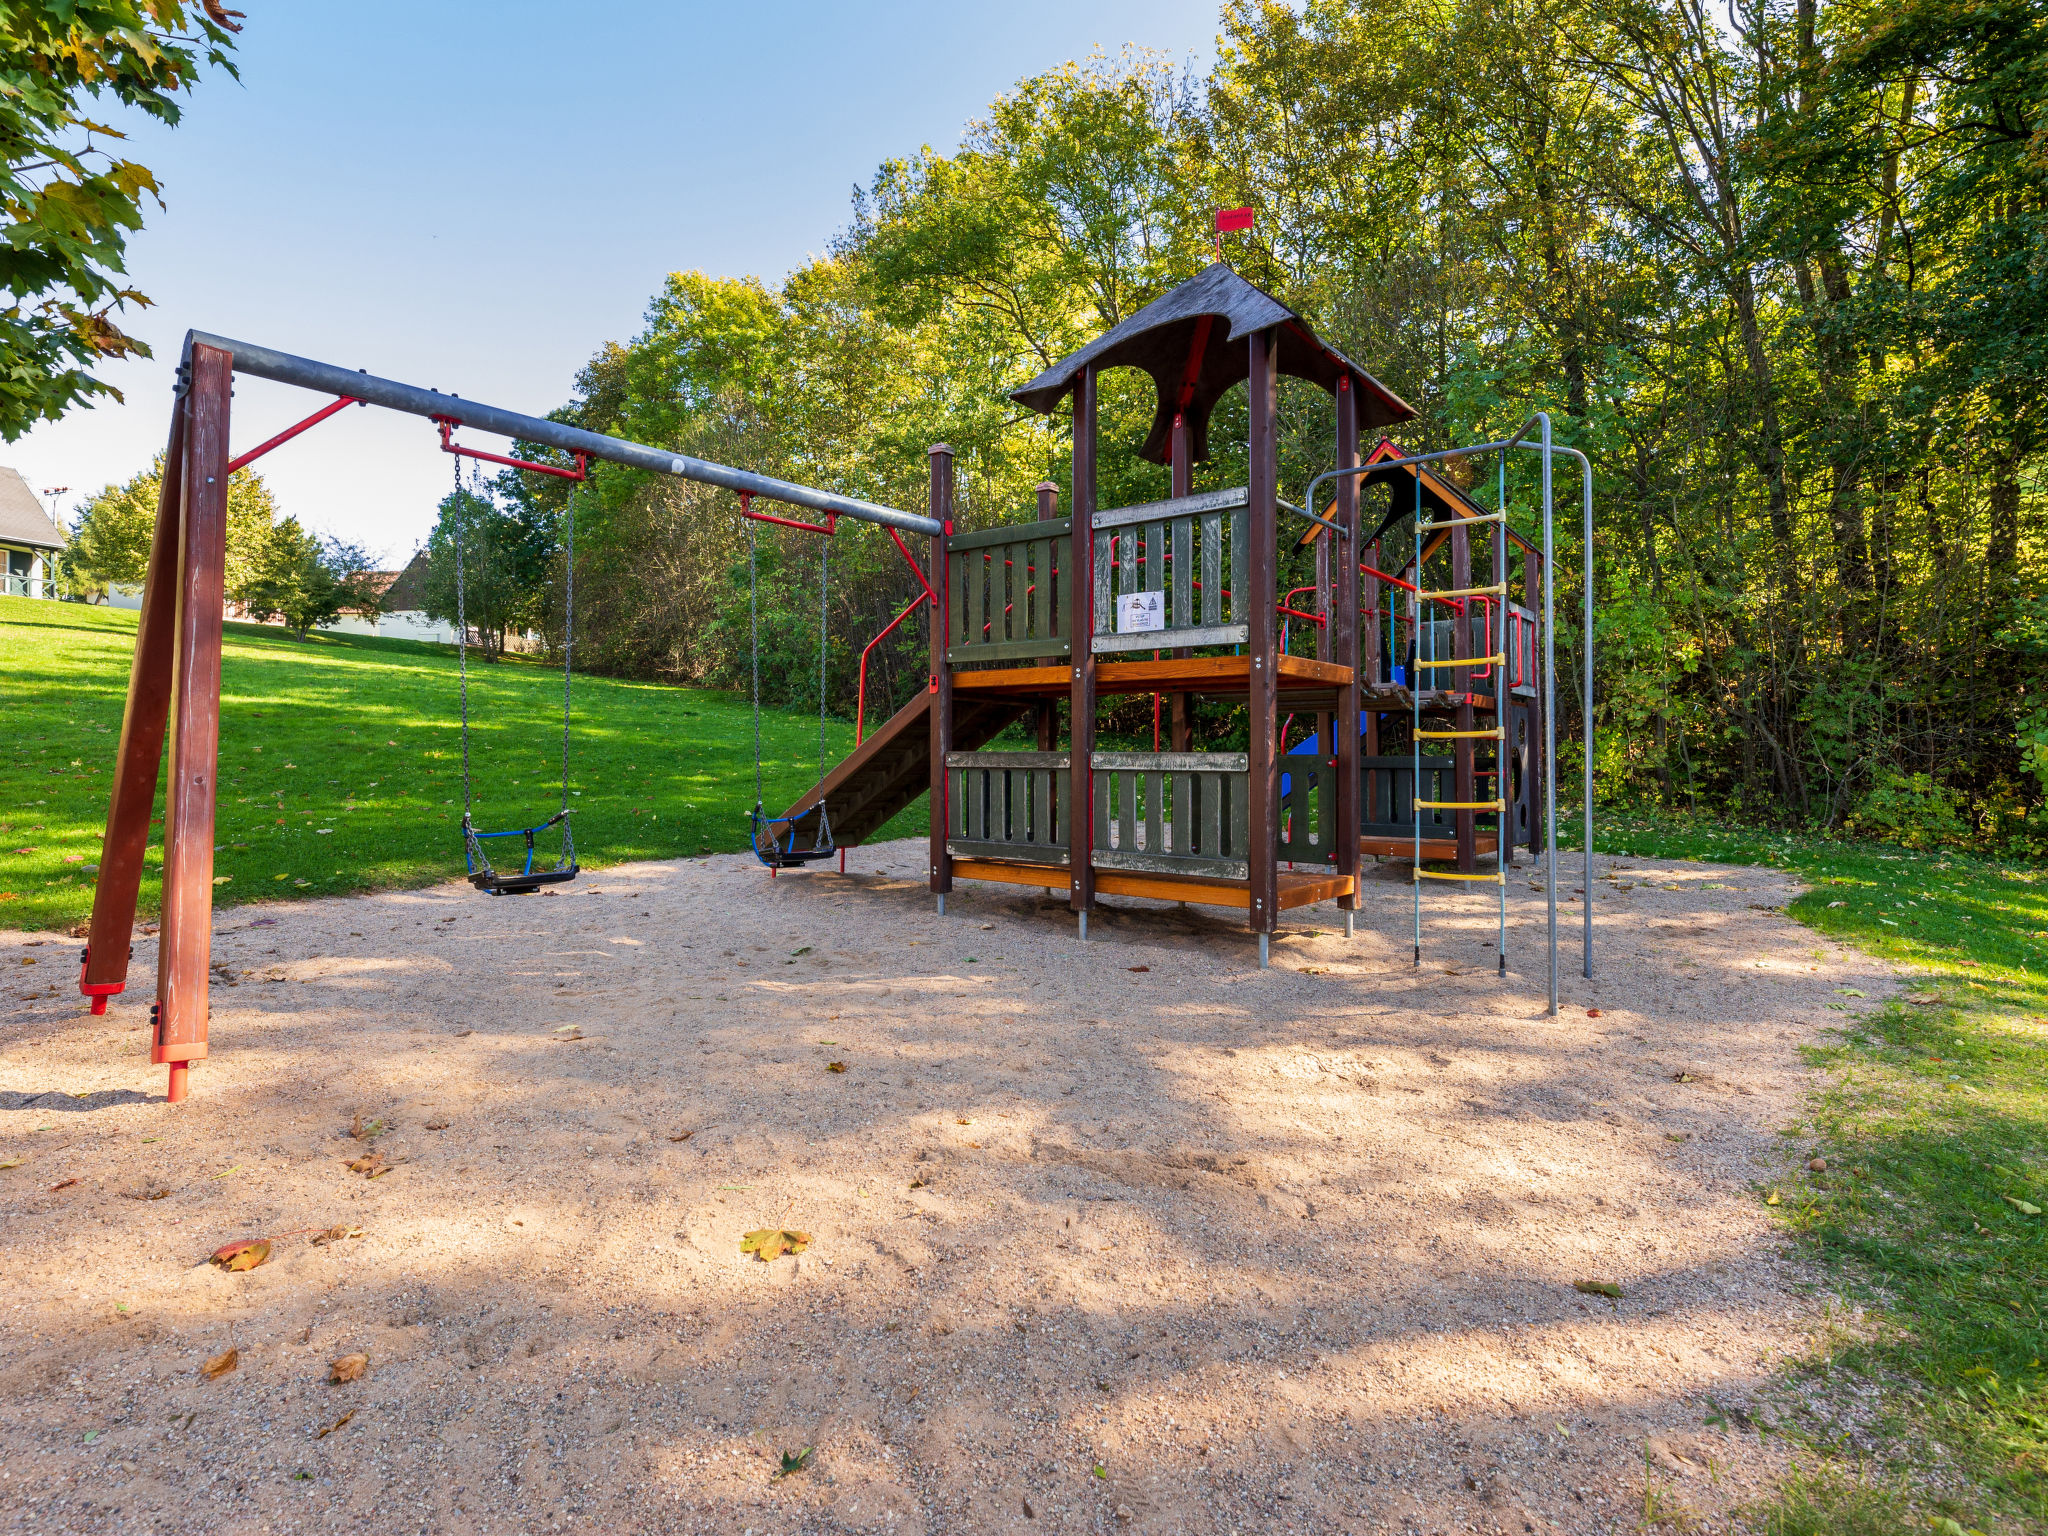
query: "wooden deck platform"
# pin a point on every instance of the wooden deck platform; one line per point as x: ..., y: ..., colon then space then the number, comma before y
x: 1298, y: 888
x: 1169, y: 674
x: 1432, y: 847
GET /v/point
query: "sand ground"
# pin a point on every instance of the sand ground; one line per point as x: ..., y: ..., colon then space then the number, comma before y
x: 1123, y: 1236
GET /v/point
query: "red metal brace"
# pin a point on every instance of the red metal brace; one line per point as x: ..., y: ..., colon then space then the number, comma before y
x: 448, y: 424
x: 289, y: 433
x: 829, y: 527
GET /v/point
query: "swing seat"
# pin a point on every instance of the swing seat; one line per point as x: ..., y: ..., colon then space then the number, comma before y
x: 777, y: 848
x: 493, y: 881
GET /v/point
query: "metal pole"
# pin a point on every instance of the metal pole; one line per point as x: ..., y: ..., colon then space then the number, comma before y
x: 1550, y: 718
x: 1586, y: 723
x: 284, y: 368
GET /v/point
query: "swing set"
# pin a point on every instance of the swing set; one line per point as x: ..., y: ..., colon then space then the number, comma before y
x: 174, y: 679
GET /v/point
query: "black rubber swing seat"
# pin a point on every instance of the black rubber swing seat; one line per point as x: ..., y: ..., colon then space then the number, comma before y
x: 488, y: 878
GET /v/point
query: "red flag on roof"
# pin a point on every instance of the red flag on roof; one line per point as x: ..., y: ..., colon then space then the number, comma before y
x: 1229, y: 220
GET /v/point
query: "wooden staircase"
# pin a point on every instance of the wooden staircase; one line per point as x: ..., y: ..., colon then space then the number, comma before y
x: 892, y: 767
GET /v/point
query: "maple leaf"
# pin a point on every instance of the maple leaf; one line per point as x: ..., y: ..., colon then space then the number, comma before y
x: 348, y: 1368
x: 221, y: 1364
x: 770, y: 1243
x: 245, y: 1254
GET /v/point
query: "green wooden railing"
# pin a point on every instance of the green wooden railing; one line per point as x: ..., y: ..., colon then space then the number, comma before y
x: 1174, y: 554
x: 1009, y: 592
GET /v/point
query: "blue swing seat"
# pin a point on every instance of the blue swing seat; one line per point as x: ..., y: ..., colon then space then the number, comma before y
x: 497, y: 882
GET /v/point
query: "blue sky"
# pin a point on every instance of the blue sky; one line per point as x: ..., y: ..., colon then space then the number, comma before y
x: 473, y: 196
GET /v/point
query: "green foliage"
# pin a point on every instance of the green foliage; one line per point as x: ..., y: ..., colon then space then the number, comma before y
x: 359, y: 736
x: 1909, y: 809
x: 304, y: 581
x: 110, y: 546
x: 70, y: 201
x: 507, y: 556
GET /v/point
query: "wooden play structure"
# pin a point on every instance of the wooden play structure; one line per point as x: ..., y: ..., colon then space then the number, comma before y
x: 1179, y: 599
x: 1400, y: 705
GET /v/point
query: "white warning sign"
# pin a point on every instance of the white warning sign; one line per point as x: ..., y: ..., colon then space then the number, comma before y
x: 1137, y: 612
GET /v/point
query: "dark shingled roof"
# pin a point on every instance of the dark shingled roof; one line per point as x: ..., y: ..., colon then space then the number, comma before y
x: 1162, y: 339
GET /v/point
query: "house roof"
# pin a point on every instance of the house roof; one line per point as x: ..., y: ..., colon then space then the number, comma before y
x: 1176, y: 339
x: 22, y: 518
x: 402, y: 594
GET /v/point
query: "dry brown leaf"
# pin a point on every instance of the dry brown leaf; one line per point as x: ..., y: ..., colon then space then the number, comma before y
x: 1592, y: 1013
x: 963, y: 1121
x: 330, y: 1429
x: 62, y: 1184
x: 919, y: 1183
x: 1140, y: 969
x: 437, y: 1125
x: 221, y: 1364
x: 367, y: 1162
x: 770, y: 1243
x: 684, y: 1136
x: 335, y: 1234
x: 348, y: 1368
x: 835, y: 1066
x: 246, y: 1253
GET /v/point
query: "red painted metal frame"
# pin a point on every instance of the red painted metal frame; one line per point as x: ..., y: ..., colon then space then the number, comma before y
x: 289, y: 433
x: 448, y: 424
x: 861, y: 704
x: 829, y: 527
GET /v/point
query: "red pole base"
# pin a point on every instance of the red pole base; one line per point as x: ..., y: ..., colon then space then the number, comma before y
x: 176, y: 1091
x: 99, y: 1005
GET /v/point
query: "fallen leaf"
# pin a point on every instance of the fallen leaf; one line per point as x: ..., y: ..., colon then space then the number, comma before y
x: 437, y: 1125
x: 1605, y: 1288
x: 770, y: 1243
x: 963, y: 1122
x: 337, y: 1424
x: 685, y: 1136
x: 1140, y: 968
x: 335, y: 1234
x: 919, y: 1183
x: 804, y: 951
x: 348, y: 1368
x: 1848, y: 992
x: 13, y: 1162
x: 221, y: 1364
x: 794, y: 1461
x: 2024, y: 1207
x: 65, y: 1184
x: 1683, y: 1077
x: 238, y: 1256
x: 835, y: 1066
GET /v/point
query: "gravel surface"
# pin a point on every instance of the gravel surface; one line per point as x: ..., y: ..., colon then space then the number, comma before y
x: 1121, y: 1236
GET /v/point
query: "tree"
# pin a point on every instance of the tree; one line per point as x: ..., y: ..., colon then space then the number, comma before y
x: 505, y: 560
x: 70, y: 202
x: 110, y: 547
x: 306, y: 581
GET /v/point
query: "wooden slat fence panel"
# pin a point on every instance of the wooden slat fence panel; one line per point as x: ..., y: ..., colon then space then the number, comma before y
x: 1177, y: 549
x: 1308, y: 810
x: 1172, y: 812
x: 1008, y: 805
x: 1007, y: 593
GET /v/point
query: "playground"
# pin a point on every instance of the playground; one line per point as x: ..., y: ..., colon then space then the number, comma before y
x: 1130, y: 1234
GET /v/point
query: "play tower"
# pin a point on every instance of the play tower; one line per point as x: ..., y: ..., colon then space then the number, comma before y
x: 1410, y: 725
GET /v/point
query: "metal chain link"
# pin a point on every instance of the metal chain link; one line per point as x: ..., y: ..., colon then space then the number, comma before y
x: 461, y: 635
x: 568, y: 643
x: 754, y: 640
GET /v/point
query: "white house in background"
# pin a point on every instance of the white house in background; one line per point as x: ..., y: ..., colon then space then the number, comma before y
x: 29, y: 541
x: 402, y: 617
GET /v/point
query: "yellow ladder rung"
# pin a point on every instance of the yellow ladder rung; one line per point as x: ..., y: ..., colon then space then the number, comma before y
x: 1496, y: 734
x: 1495, y: 591
x: 1461, y: 805
x: 1467, y: 522
x: 1444, y: 874
x: 1466, y: 661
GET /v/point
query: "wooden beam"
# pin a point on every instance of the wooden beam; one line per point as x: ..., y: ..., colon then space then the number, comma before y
x: 186, y: 938
x: 1081, y: 719
x: 1258, y: 572
x: 940, y: 684
x: 125, y: 843
x: 1341, y: 637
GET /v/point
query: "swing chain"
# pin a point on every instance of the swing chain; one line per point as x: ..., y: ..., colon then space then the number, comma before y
x: 568, y: 644
x: 461, y: 639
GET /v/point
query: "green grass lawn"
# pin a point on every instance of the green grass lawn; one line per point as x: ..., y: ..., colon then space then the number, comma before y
x: 1934, y: 1126
x: 341, y: 762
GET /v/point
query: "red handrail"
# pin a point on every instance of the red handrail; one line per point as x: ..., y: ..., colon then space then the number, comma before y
x: 861, y: 704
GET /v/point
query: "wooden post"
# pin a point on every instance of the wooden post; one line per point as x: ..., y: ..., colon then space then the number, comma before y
x: 1259, y: 572
x: 1342, y: 638
x: 125, y: 843
x: 1183, y: 725
x: 1532, y: 575
x: 1044, y: 715
x: 186, y: 939
x: 1081, y: 722
x: 1463, y: 755
x: 1372, y: 630
x: 941, y: 680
